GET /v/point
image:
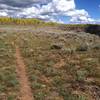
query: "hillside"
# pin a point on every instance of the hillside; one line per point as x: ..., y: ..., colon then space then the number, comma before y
x: 88, y: 28
x: 49, y: 61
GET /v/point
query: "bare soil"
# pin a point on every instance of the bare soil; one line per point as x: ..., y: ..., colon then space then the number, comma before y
x: 25, y: 90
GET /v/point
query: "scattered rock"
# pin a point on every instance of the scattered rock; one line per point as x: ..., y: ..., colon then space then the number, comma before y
x: 57, y: 46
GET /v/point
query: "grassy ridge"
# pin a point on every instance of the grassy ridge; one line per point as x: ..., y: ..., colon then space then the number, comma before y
x: 67, y: 72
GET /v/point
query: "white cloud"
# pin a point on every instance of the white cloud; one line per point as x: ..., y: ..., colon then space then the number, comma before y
x: 63, y: 5
x: 48, y: 10
x: 3, y: 14
x: 80, y: 16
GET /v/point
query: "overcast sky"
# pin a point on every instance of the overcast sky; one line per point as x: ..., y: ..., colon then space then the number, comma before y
x: 64, y: 11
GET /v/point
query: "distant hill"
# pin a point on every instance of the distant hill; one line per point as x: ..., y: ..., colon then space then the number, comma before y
x: 89, y: 28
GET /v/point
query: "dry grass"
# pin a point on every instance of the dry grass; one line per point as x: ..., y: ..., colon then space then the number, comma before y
x: 8, y: 79
x: 71, y: 72
x: 79, y: 70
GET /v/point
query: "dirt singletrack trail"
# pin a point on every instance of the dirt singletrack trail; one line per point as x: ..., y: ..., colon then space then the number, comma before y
x: 25, y: 90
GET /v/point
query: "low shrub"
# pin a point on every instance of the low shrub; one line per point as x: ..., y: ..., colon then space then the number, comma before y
x: 82, y: 47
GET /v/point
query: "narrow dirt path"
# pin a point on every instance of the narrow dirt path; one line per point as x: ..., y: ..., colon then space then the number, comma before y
x: 25, y: 90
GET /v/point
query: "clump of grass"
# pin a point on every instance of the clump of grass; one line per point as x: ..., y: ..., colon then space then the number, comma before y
x: 9, y: 78
x: 96, y: 47
x: 70, y: 69
x: 82, y: 47
x: 81, y: 75
x: 2, y: 88
x: 91, y: 67
x: 33, y: 78
x: 11, y: 97
x: 50, y: 71
x: 40, y: 95
x: 37, y: 85
x: 58, y: 81
x: 67, y: 95
x: 82, y: 97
